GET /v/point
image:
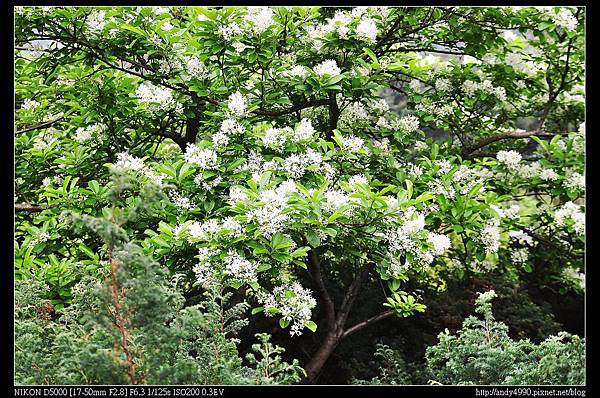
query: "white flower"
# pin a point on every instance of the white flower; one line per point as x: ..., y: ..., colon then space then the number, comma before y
x: 236, y: 195
x: 237, y: 104
x: 509, y: 35
x: 158, y: 98
x: 443, y: 85
x: 304, y: 130
x: 167, y: 26
x: 96, y: 21
x: 409, y: 124
x: 490, y: 236
x: 366, y: 29
x: 260, y: 18
x: 220, y: 139
x: 327, y: 68
x: 520, y: 256
x: 575, y: 182
x: 84, y: 134
x: 334, y: 199
x: 195, y: 68
x: 440, y: 243
x: 570, y: 213
x: 240, y: 268
x: 229, y: 31
x: 521, y: 237
x: 30, y: 104
x: 351, y: 143
x: 294, y: 303
x: 565, y: 19
x: 548, y: 175
x: 509, y: 158
x: 181, y: 202
x: 296, y: 71
x: 358, y: 179
x: 206, y: 158
x: 126, y: 162
x: 275, y: 138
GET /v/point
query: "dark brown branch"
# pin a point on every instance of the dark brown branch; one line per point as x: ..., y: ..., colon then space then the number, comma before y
x: 504, y: 136
x: 351, y: 294
x: 41, y: 125
x: 314, y: 268
x: 364, y: 324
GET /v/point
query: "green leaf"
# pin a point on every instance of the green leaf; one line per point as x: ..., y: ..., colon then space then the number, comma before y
x: 257, y: 310
x: 284, y: 323
x: 311, y: 326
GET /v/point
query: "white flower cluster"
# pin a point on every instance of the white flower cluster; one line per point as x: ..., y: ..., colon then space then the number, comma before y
x: 548, y: 175
x: 509, y: 158
x: 562, y: 17
x: 296, y: 164
x: 520, y: 256
x: 229, y: 127
x: 239, y: 268
x: 257, y: 165
x: 334, y: 200
x: 205, y: 274
x: 237, y: 105
x: 575, y: 181
x: 440, y: 243
x: 570, y: 213
x: 296, y: 71
x: 194, y: 68
x: 45, y: 140
x: 260, y: 19
x: 126, y: 163
x: 203, y: 183
x: 84, y: 134
x: 575, y: 277
x: 304, y: 130
x: 158, y: 98
x: 408, y: 124
x: 470, y: 88
x: 408, y: 238
x: 521, y: 237
x: 358, y: 179
x: 276, y: 138
x: 30, y: 104
x: 327, y: 68
x: 367, y: 29
x: 351, y: 143
x: 511, y: 212
x: 490, y: 236
x: 206, y: 158
x: 294, y: 303
x: 229, y: 31
x: 212, y: 229
x: 269, y: 211
x: 181, y: 202
x: 437, y: 109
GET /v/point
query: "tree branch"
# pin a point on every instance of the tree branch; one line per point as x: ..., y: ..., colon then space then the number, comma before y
x: 503, y: 136
x: 364, y: 324
x: 29, y: 208
x: 41, y: 125
x: 314, y: 268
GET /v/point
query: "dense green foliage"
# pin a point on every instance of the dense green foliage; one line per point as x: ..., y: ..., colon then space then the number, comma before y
x: 191, y: 179
x: 483, y: 353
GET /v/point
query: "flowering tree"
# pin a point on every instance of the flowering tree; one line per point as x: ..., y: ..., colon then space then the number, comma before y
x: 290, y: 179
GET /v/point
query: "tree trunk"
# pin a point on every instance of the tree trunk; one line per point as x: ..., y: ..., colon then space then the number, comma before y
x: 313, y: 368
